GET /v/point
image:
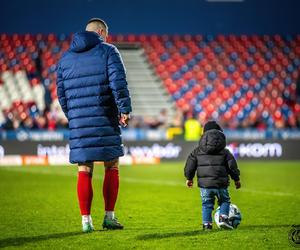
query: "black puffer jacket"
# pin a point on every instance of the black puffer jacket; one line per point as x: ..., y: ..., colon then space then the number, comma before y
x: 212, y: 161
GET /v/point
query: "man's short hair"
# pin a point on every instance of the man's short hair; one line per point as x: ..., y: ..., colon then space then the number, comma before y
x: 98, y: 20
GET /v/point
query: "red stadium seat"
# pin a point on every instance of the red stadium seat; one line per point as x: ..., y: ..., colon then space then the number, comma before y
x: 259, y: 70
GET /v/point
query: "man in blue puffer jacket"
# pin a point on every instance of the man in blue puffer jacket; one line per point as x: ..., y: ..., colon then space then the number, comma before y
x: 92, y: 91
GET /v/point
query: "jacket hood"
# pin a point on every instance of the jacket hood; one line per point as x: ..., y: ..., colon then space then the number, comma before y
x: 85, y: 40
x: 212, y: 141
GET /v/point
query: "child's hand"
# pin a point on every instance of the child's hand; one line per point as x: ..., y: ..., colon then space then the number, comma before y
x: 237, y: 184
x: 189, y: 183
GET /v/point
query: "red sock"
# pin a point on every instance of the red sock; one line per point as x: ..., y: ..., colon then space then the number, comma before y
x: 110, y: 188
x: 84, y: 192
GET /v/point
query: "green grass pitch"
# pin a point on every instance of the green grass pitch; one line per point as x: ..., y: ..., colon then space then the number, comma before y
x: 38, y: 209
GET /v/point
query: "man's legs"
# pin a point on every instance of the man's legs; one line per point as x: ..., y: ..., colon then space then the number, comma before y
x: 85, y: 194
x: 110, y: 193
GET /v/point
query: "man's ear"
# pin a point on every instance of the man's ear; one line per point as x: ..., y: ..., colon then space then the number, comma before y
x: 103, y: 33
x: 99, y: 31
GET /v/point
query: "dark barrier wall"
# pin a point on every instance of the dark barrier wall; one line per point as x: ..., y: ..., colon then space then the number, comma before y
x: 172, y: 150
x: 155, y: 16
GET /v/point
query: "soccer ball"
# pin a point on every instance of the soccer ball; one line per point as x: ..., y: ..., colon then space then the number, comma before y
x: 235, y: 216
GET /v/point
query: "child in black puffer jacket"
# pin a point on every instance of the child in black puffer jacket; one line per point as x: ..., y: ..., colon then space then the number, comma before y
x: 213, y: 164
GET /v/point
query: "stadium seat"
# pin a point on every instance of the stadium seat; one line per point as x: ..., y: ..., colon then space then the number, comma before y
x: 221, y: 76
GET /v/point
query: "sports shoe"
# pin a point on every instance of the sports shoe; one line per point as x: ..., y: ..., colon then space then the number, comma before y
x: 111, y: 224
x: 207, y: 226
x: 87, y: 227
x: 224, y: 222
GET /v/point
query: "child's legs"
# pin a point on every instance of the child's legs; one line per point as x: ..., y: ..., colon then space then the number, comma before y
x: 208, y: 200
x: 223, y: 201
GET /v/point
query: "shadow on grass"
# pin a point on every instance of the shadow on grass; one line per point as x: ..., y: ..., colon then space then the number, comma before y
x: 201, y: 232
x: 174, y: 234
x: 245, y: 227
x: 19, y: 241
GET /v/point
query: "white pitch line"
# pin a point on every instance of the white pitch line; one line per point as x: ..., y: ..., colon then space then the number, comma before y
x: 268, y: 193
x: 47, y: 171
x: 173, y: 183
x: 154, y: 182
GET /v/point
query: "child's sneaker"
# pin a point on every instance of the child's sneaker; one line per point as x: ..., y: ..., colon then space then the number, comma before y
x: 224, y: 222
x: 112, y: 224
x: 207, y: 226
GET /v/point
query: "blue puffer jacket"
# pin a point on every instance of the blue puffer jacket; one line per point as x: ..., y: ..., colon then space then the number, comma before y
x: 92, y: 91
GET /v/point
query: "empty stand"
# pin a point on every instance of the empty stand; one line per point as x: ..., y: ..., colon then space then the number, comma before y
x: 148, y: 94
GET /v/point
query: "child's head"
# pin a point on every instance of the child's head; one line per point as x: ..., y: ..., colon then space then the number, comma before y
x: 213, y: 139
x: 212, y: 125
